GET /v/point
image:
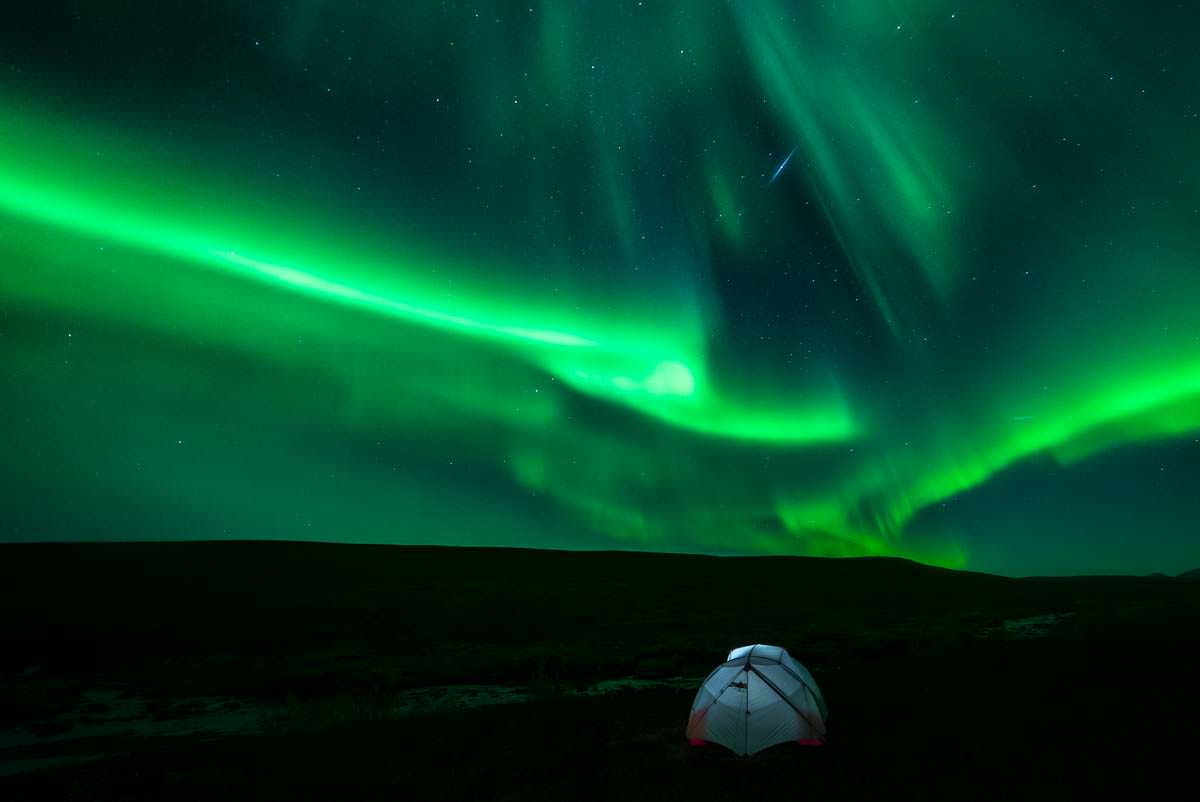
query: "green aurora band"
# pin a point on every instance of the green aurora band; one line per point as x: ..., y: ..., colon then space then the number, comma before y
x: 558, y: 284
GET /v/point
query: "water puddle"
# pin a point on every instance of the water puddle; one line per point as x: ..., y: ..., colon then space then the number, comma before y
x: 1034, y: 626
x: 106, y: 716
x: 449, y: 697
x: 112, y: 712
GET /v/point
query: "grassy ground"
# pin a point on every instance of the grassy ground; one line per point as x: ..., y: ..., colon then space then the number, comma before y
x: 931, y: 695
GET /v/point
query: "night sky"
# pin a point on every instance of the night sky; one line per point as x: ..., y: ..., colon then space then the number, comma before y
x: 912, y: 278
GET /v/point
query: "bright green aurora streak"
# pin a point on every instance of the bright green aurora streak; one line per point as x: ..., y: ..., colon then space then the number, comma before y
x: 416, y: 274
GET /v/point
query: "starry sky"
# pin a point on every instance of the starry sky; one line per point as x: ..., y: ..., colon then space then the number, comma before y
x: 912, y: 278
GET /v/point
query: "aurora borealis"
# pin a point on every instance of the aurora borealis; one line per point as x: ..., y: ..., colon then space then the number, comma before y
x: 531, y: 274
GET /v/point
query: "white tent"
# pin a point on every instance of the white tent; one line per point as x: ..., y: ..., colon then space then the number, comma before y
x: 760, y: 696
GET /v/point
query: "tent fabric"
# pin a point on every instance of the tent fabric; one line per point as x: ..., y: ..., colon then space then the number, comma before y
x: 759, y: 697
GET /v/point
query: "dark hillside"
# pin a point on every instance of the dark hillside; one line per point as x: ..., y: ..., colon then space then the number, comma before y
x: 939, y: 683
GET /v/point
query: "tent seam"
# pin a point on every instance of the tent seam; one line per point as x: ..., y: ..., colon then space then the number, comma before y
x: 788, y: 701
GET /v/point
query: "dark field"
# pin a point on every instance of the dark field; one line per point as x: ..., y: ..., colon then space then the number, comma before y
x: 284, y: 670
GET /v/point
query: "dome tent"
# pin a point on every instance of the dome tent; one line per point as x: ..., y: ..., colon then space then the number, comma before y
x: 760, y: 696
